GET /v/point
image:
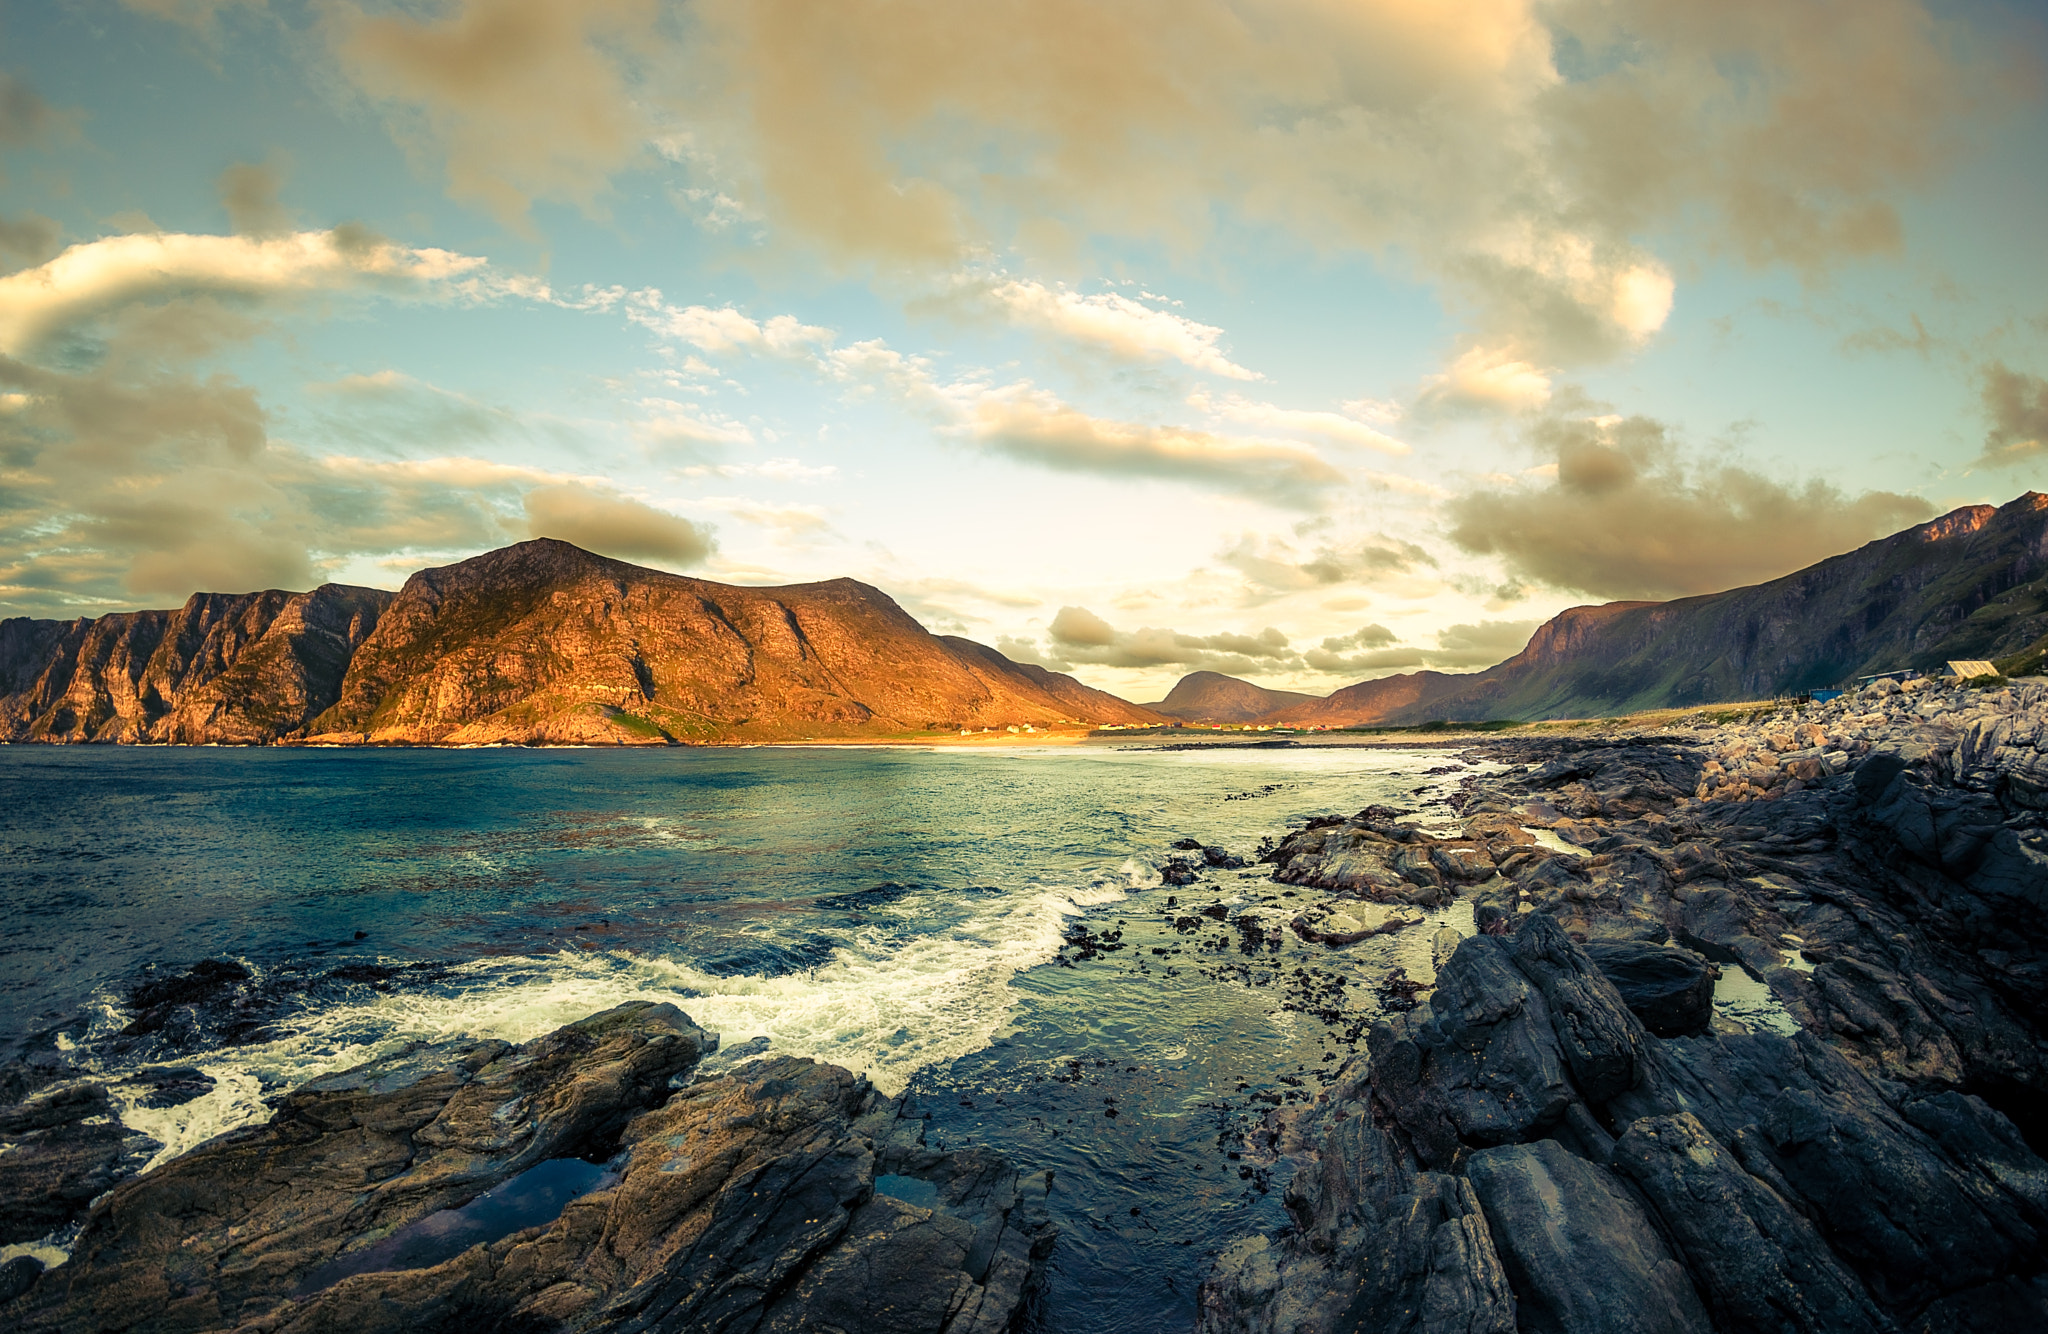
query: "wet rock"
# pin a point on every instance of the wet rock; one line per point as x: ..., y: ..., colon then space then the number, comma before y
x: 17, y: 1276
x: 1340, y: 923
x: 1379, y: 1245
x: 230, y: 1229
x: 1580, y: 1254
x: 782, y: 1196
x: 785, y: 1196
x: 66, y: 1149
x: 1178, y: 871
x: 156, y: 1001
x: 1670, y: 989
x: 1371, y: 856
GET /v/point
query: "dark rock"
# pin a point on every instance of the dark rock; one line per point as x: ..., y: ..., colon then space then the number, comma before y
x: 1759, y: 1265
x: 1177, y: 871
x: 230, y: 1229
x: 1379, y: 1246
x: 1670, y: 989
x: 1579, y: 1252
x: 783, y: 1196
x: 1221, y: 857
x: 17, y: 1276
x: 67, y: 1150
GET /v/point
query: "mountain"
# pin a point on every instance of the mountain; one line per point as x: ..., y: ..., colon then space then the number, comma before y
x: 1211, y: 697
x: 539, y: 642
x: 229, y: 667
x: 1970, y: 584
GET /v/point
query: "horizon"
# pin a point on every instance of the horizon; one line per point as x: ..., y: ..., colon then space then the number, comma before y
x: 1375, y: 362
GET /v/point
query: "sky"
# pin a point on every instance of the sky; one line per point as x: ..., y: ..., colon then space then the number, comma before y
x: 1300, y: 340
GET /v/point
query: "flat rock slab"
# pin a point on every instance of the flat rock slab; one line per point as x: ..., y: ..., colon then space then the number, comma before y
x: 1347, y: 923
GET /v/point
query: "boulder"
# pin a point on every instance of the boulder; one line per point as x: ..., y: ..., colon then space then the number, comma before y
x: 1670, y: 989
x: 1580, y: 1253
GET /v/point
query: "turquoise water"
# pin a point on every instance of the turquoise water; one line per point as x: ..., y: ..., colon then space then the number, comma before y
x: 900, y: 912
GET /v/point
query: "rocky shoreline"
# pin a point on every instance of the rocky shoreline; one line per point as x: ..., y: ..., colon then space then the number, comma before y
x: 583, y: 1181
x: 1562, y: 1136
x: 1560, y: 1130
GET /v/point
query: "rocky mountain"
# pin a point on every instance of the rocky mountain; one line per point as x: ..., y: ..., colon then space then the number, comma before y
x: 226, y: 667
x: 539, y: 642
x: 1211, y: 697
x: 1970, y: 584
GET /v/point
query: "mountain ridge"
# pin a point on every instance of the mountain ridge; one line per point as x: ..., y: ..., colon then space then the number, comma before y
x: 540, y: 642
x: 1972, y: 583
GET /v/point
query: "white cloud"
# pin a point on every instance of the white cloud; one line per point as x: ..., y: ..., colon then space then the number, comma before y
x: 1126, y: 329
x: 1487, y: 380
x: 1030, y: 424
x: 1329, y: 425
x: 672, y: 423
x: 96, y: 277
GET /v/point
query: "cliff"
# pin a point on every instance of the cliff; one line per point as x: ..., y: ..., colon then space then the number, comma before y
x: 1971, y: 584
x: 539, y: 642
x: 226, y: 667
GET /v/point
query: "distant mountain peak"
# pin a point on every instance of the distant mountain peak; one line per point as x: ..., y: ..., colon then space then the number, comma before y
x: 1212, y: 697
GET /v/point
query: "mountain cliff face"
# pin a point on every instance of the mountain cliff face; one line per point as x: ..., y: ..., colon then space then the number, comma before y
x: 540, y: 642
x: 226, y: 667
x: 1212, y: 697
x: 1971, y: 584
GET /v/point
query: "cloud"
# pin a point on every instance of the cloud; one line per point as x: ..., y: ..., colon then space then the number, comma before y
x: 1034, y: 426
x: 614, y: 525
x: 1126, y: 329
x: 390, y: 409
x: 1625, y: 517
x: 1077, y: 635
x: 785, y: 521
x: 27, y: 239
x: 1527, y: 156
x: 1374, y: 648
x: 1019, y: 420
x: 1276, y: 565
x: 1482, y: 644
x: 24, y: 117
x: 1329, y: 425
x: 249, y: 193
x: 132, y: 473
x: 774, y: 470
x: 1485, y: 380
x: 680, y: 424
x: 523, y: 99
x: 2017, y: 405
x: 139, y: 481
x: 95, y: 278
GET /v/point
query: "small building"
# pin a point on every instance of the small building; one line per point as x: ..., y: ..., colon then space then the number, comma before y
x: 1965, y: 669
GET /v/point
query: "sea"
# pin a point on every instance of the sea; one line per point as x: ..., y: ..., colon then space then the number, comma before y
x: 985, y: 931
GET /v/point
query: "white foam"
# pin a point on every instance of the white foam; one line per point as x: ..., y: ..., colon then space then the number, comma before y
x: 949, y: 990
